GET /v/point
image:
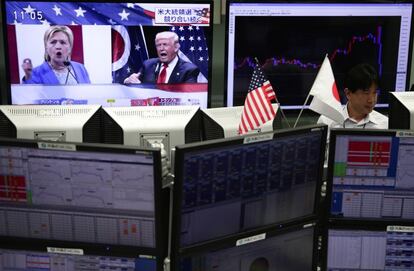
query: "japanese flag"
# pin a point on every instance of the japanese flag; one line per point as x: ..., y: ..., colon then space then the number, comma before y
x: 325, y: 94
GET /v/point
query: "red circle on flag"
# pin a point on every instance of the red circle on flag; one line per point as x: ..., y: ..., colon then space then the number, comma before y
x: 335, y: 92
x: 118, y: 45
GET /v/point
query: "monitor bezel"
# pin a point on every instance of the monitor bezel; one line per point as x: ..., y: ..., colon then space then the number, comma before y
x: 271, y: 231
x: 160, y: 201
x: 329, y: 184
x: 3, y: 28
x: 182, y: 150
x: 298, y: 107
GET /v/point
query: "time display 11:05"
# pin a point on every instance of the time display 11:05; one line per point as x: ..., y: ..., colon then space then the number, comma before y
x: 33, y: 15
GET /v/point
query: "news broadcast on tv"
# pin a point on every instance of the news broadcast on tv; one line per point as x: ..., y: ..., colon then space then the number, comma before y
x: 112, y: 54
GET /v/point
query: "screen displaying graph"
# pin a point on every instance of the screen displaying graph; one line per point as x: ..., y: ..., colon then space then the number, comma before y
x: 92, y: 197
x: 290, y: 41
x: 372, y: 175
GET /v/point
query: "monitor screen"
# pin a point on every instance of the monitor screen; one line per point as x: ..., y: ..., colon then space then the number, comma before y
x: 101, y: 198
x: 83, y: 52
x: 248, y: 182
x: 292, y: 250
x: 370, y: 174
x: 290, y: 41
x: 22, y: 260
x: 363, y: 249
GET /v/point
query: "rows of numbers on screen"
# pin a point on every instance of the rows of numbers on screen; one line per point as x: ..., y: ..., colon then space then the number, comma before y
x: 88, y: 196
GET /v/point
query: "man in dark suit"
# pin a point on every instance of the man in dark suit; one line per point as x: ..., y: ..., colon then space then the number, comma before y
x: 168, y: 68
x: 27, y: 68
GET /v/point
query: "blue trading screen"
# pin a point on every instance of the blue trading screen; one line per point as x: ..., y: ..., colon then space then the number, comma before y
x: 249, y: 185
x: 292, y: 251
x: 372, y: 177
x: 30, y: 260
x: 390, y: 250
x: 92, y: 197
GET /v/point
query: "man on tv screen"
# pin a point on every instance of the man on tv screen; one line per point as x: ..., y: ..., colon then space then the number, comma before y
x: 27, y: 67
x: 167, y: 67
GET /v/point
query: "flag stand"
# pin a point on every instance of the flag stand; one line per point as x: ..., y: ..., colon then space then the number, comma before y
x: 301, y: 110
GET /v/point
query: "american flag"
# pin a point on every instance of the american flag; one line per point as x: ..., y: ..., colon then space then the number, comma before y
x: 71, y: 13
x: 257, y: 106
x: 193, y: 46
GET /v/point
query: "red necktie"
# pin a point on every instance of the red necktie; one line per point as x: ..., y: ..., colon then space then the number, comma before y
x: 163, y: 74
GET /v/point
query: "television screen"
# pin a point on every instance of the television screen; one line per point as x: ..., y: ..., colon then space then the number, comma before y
x: 109, y: 53
x: 21, y: 260
x: 370, y: 175
x: 248, y: 182
x: 292, y: 249
x: 389, y: 248
x: 290, y: 41
x: 97, y: 198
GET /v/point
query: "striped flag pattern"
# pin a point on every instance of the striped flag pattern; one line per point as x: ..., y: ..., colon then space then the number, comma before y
x: 257, y: 106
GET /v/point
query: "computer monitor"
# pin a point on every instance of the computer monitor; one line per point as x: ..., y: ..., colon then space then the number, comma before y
x: 371, y: 247
x: 83, y: 199
x: 76, y: 123
x: 144, y: 126
x: 21, y: 260
x: 288, y: 249
x: 229, y: 186
x: 370, y: 175
x: 111, y: 41
x: 291, y: 38
x: 401, y: 110
x: 224, y: 122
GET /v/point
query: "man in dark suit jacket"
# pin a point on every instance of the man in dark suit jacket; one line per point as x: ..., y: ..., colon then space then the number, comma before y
x: 27, y: 68
x: 168, y: 68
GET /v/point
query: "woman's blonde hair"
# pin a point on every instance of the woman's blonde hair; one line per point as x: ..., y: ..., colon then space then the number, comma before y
x: 54, y: 29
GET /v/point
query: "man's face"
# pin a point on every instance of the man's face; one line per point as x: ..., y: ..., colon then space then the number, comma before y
x: 166, y: 49
x: 362, y: 101
x: 27, y: 66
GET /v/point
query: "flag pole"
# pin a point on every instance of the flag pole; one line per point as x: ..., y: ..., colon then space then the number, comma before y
x: 300, y: 113
x: 306, y: 101
x: 277, y: 101
x: 282, y: 112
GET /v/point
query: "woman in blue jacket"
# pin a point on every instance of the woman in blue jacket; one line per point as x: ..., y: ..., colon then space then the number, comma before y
x: 57, y: 67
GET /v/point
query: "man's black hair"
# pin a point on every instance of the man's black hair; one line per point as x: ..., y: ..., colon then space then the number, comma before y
x: 361, y: 76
